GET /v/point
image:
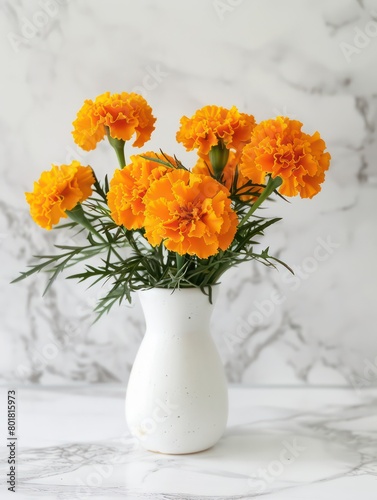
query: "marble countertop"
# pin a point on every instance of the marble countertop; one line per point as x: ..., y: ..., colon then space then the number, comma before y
x: 281, y: 443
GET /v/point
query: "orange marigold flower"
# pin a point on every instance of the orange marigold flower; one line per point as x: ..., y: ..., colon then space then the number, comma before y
x: 58, y: 190
x: 279, y: 148
x: 203, y: 166
x: 213, y: 123
x: 124, y: 114
x: 128, y: 187
x: 189, y: 213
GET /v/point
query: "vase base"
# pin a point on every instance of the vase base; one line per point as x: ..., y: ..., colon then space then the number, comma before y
x: 181, y: 452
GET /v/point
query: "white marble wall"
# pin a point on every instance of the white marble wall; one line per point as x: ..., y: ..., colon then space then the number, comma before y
x: 315, y: 61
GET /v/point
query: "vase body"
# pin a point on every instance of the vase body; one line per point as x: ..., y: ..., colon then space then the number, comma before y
x: 177, y: 399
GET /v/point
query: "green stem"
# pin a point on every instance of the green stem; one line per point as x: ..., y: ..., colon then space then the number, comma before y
x: 120, y: 156
x: 77, y: 214
x: 180, y: 259
x: 271, y: 185
x: 118, y: 145
x: 218, y: 156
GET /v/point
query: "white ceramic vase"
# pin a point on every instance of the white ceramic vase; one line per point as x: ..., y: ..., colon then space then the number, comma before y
x: 177, y: 398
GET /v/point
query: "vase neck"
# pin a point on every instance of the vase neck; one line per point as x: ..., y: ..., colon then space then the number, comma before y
x: 184, y: 310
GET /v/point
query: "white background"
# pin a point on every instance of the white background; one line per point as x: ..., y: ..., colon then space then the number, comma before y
x: 313, y: 61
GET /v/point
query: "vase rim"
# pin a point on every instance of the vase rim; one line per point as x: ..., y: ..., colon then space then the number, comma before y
x: 172, y: 290
x: 189, y: 292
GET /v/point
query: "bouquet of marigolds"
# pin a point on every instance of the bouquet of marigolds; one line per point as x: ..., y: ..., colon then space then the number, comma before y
x: 157, y: 223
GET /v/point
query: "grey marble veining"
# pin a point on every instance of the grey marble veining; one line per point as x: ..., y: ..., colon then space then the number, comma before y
x: 314, y: 61
x: 283, y: 443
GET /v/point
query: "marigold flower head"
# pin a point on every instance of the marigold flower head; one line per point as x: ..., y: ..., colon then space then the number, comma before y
x: 189, y: 213
x: 124, y: 114
x: 128, y: 187
x: 278, y: 147
x: 58, y: 190
x: 211, y: 124
x: 203, y: 166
